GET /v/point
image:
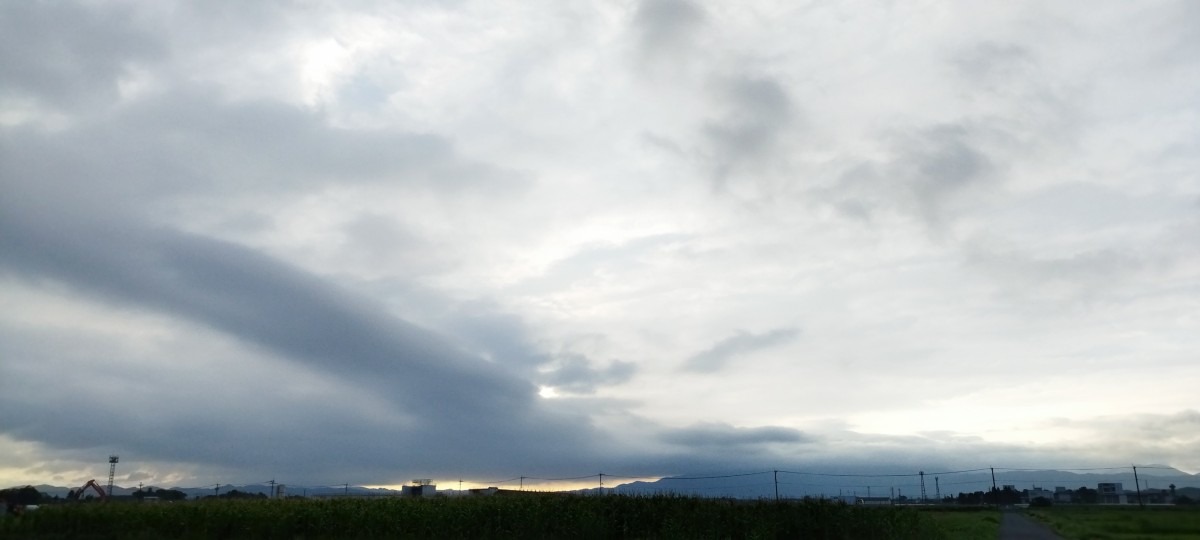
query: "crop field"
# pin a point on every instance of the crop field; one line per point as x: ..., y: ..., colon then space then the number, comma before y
x: 545, y: 516
x: 1122, y: 523
x: 965, y: 523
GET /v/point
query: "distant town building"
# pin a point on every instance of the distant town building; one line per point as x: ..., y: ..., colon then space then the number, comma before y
x: 1036, y: 492
x: 421, y: 487
x: 1110, y: 493
x: 873, y: 501
x: 1153, y: 496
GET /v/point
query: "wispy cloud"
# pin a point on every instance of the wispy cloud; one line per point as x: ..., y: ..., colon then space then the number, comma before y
x: 723, y: 352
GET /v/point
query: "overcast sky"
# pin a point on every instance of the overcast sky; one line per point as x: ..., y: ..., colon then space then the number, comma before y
x: 369, y: 241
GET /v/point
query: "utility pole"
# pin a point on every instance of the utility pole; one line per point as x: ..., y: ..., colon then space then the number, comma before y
x: 272, y: 488
x: 522, y: 483
x: 346, y: 490
x: 1138, y: 486
x: 993, y: 478
x: 938, y: 487
x: 776, y: 486
x: 602, y: 484
x: 923, y: 497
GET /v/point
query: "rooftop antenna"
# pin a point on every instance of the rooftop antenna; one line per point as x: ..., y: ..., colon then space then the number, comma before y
x: 112, y: 471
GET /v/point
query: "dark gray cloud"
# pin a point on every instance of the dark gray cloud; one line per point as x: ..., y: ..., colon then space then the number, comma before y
x: 190, y: 142
x: 721, y: 353
x: 757, y: 111
x: 728, y: 437
x: 501, y: 337
x: 667, y: 27
x: 928, y: 171
x: 70, y: 55
x: 444, y: 393
x: 941, y: 163
x: 191, y: 146
x: 574, y: 374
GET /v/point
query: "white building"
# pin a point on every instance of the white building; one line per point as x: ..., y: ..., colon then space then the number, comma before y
x: 1110, y: 493
x: 421, y: 487
x: 1039, y: 492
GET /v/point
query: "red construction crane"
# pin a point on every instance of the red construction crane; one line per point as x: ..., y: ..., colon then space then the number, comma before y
x: 76, y: 494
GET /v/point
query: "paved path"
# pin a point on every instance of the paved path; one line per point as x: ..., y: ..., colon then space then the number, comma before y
x: 1017, y: 526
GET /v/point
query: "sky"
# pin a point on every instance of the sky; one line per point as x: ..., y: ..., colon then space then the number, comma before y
x: 369, y: 241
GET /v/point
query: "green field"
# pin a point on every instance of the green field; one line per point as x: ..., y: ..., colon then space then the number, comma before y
x: 1122, y: 523
x: 966, y: 523
x: 546, y: 516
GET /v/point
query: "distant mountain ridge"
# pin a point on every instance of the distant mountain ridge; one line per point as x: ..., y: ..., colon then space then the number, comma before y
x: 830, y: 484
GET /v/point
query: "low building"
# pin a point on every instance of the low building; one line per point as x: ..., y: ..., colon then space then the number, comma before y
x: 421, y: 487
x: 1110, y: 493
x: 873, y: 501
x: 1031, y: 494
x: 1150, y: 496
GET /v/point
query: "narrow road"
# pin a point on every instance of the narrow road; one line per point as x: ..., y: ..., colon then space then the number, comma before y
x: 1015, y: 525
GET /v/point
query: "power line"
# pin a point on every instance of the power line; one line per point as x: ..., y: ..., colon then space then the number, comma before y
x: 563, y: 479
x: 714, y: 476
x: 847, y: 475
x: 1064, y: 469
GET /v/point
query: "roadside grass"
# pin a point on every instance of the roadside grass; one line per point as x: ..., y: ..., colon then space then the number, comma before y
x: 525, y: 516
x: 1122, y: 522
x: 975, y: 523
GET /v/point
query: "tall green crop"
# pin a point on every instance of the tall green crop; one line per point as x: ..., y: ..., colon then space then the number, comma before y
x: 502, y: 516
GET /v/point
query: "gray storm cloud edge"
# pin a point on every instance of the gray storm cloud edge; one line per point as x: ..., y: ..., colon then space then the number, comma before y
x: 226, y: 287
x: 262, y: 301
x: 726, y: 436
x: 457, y: 401
x: 69, y: 56
x: 323, y: 446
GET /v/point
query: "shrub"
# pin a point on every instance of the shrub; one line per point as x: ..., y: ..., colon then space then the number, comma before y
x: 1040, y: 502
